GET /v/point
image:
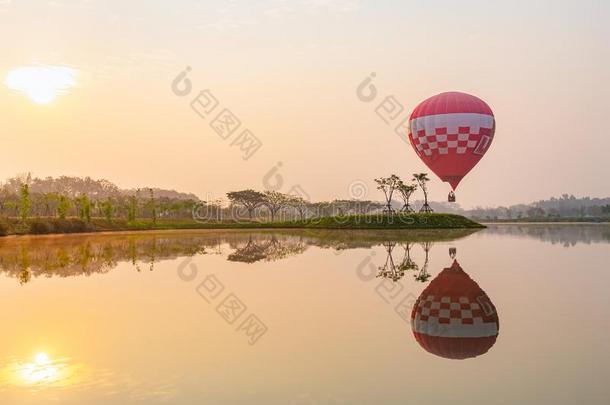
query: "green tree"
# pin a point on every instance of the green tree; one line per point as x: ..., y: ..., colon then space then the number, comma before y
x: 274, y: 201
x: 132, y: 209
x: 422, y: 179
x: 63, y: 206
x: 249, y: 199
x: 153, y: 206
x: 406, y: 190
x: 84, y: 205
x: 50, y: 201
x: 108, y: 209
x: 388, y: 185
x: 299, y: 204
x: 25, y: 203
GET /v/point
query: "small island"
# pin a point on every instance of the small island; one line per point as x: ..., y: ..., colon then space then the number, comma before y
x: 41, y: 226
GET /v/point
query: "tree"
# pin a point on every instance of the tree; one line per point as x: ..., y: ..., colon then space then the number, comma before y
x: 50, y: 201
x: 132, y: 208
x: 274, y: 201
x: 299, y: 204
x: 388, y: 185
x: 84, y: 205
x: 535, y: 212
x: 25, y: 204
x: 63, y: 206
x: 406, y: 190
x: 108, y: 209
x: 153, y: 206
x: 249, y: 199
x: 422, y: 179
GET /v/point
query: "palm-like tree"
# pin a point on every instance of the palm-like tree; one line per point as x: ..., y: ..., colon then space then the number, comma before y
x: 422, y: 179
x: 388, y: 185
x: 406, y: 190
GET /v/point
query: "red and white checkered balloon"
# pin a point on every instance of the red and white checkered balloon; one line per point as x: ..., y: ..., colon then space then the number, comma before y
x: 453, y: 317
x: 451, y: 132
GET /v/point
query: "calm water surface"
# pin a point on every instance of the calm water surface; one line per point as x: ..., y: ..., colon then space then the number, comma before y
x: 300, y: 317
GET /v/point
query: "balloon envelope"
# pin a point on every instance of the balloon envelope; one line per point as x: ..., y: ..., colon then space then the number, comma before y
x: 453, y: 317
x: 451, y: 132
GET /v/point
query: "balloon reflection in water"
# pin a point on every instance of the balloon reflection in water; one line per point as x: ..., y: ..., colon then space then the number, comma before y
x: 453, y: 317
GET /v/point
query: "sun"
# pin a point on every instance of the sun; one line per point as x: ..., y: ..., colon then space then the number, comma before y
x: 42, y: 84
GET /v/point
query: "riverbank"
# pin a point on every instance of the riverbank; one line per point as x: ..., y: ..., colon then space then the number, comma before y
x: 552, y: 220
x: 42, y: 226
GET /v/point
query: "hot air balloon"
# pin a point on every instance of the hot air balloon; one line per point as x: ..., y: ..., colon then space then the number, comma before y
x: 451, y: 132
x: 453, y: 317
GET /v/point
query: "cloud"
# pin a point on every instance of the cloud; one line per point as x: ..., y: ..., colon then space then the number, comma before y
x: 233, y: 17
x: 333, y: 6
x: 282, y: 7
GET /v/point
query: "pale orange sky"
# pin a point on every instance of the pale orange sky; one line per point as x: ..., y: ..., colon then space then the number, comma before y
x: 289, y: 71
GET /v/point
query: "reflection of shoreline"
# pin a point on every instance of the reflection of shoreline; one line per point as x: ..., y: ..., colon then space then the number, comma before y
x: 565, y: 234
x: 63, y: 256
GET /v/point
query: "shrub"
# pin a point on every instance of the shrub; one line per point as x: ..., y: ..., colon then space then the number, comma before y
x: 71, y: 225
x: 58, y: 225
x: 3, y: 228
x: 40, y: 227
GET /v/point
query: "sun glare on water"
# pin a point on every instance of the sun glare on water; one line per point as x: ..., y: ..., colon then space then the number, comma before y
x: 42, y: 84
x: 42, y: 369
x: 40, y: 372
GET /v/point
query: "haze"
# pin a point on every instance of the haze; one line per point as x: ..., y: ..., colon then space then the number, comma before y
x: 289, y: 71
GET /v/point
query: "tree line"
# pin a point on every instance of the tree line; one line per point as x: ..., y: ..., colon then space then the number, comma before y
x: 274, y: 205
x: 256, y: 204
x: 26, y: 197
x: 564, y: 206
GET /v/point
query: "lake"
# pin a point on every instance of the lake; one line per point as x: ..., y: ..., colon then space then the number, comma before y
x: 509, y: 314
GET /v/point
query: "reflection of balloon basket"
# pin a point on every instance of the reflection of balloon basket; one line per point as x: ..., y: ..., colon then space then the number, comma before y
x: 453, y: 317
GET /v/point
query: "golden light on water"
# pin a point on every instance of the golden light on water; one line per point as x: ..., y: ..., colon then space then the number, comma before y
x: 43, y: 371
x: 42, y: 84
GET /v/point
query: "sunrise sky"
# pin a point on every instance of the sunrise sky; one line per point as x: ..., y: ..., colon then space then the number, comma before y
x: 85, y: 90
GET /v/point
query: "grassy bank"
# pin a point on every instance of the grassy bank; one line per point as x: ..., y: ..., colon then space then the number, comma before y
x: 41, y: 226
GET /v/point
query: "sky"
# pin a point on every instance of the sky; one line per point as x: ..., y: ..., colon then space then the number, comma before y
x: 289, y: 72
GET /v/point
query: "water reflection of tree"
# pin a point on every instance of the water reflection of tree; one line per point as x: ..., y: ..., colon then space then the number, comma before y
x: 388, y: 269
x: 24, y: 274
x: 564, y: 234
x: 268, y: 249
x: 423, y: 274
x: 78, y: 255
x: 392, y: 271
x: 70, y: 256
